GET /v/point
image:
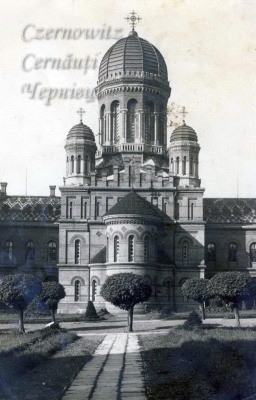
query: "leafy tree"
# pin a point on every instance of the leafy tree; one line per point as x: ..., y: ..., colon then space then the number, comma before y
x: 197, y: 289
x: 125, y: 290
x: 232, y: 288
x: 52, y: 293
x: 18, y: 291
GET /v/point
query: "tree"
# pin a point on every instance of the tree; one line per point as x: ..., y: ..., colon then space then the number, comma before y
x: 18, y: 291
x: 232, y: 288
x: 52, y: 293
x: 125, y: 290
x: 197, y: 289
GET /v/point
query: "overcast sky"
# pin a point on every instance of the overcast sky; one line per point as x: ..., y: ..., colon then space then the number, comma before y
x: 210, y: 51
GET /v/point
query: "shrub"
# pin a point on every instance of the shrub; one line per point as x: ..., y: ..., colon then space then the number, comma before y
x: 193, y: 321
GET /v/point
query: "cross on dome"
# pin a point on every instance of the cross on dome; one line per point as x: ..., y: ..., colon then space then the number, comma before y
x: 133, y: 19
x: 183, y: 112
x: 81, y: 112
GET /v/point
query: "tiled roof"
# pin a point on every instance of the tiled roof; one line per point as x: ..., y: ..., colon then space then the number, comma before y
x: 100, y: 257
x: 133, y: 204
x: 30, y: 208
x: 230, y: 210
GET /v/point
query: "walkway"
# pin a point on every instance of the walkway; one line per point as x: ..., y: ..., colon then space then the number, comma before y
x: 115, y: 372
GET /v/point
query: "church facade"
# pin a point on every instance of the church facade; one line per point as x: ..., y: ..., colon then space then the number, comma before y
x: 130, y: 203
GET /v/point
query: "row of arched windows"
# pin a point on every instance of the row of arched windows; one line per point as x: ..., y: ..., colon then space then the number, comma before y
x: 190, y: 214
x: 77, y: 290
x: 30, y: 251
x: 132, y: 106
x: 179, y: 166
x: 77, y: 168
x: 131, y: 248
x: 232, y: 252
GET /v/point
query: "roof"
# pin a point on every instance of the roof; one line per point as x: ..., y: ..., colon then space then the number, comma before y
x: 30, y: 208
x: 184, y: 132
x: 133, y: 54
x: 133, y: 204
x: 229, y: 210
x: 100, y: 257
x: 81, y: 131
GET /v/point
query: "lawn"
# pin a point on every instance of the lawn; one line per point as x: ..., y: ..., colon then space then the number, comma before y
x: 40, y: 364
x: 212, y: 364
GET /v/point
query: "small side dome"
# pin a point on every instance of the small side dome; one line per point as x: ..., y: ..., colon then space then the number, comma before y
x: 184, y: 132
x: 81, y: 131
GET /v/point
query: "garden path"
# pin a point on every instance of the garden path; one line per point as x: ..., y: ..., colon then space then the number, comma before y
x: 115, y: 371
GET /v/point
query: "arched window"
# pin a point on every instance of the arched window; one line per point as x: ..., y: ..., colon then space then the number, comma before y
x: 103, y: 122
x: 131, y: 120
x: 131, y: 248
x: 77, y: 288
x: 146, y: 248
x: 192, y: 169
x: 115, y: 125
x: 232, y: 252
x: 72, y: 164
x: 191, y: 211
x: 211, y: 252
x: 116, y: 249
x: 184, y: 165
x: 51, y: 251
x: 253, y: 252
x: 107, y: 250
x: 150, y: 122
x: 71, y: 209
x: 172, y: 165
x: 30, y: 250
x: 177, y: 165
x: 185, y: 249
x: 9, y: 249
x: 77, y: 252
x: 94, y: 289
x: 79, y: 164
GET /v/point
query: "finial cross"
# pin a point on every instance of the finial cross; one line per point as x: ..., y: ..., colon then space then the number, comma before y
x: 133, y: 19
x: 81, y: 112
x: 183, y: 112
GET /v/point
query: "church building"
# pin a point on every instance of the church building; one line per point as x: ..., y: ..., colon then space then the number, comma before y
x: 131, y: 202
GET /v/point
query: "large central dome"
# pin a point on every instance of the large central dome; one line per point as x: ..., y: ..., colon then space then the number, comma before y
x: 133, y: 54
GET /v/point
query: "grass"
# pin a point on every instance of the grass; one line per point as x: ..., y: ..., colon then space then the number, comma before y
x: 39, y: 365
x: 158, y: 314
x: 212, y: 364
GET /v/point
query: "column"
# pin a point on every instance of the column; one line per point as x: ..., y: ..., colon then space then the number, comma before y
x: 141, y: 123
x: 156, y: 128
x: 125, y: 124
x: 75, y: 165
x: 108, y: 127
x: 67, y: 166
x: 100, y: 131
x: 187, y: 166
x: 82, y: 166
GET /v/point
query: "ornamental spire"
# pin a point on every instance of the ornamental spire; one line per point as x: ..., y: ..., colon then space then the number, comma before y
x: 183, y: 112
x: 81, y: 112
x: 133, y: 19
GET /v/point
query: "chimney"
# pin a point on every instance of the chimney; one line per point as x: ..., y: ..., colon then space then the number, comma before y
x: 52, y: 191
x: 3, y: 188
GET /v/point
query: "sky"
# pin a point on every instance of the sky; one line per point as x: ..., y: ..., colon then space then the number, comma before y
x: 210, y: 51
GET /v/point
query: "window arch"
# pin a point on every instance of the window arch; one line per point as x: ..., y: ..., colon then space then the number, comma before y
x: 177, y: 165
x: 232, y: 252
x: 149, y: 126
x: 184, y: 166
x: 94, y: 289
x: 172, y: 165
x: 72, y: 164
x: 131, y: 119
x: 116, y: 249
x: 103, y: 122
x: 131, y: 248
x: 30, y: 250
x: 185, y: 250
x: 115, y: 124
x: 77, y: 252
x: 79, y: 164
x: 77, y: 289
x: 9, y: 249
x: 51, y: 251
x: 211, y: 252
x: 253, y: 252
x: 146, y: 249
